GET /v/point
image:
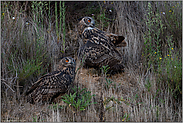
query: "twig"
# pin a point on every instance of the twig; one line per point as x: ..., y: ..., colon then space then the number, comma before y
x: 18, y: 90
x: 7, y: 84
x: 77, y: 73
x: 101, y: 115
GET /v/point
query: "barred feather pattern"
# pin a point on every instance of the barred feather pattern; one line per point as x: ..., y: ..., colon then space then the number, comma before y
x: 99, y: 47
x: 52, y: 84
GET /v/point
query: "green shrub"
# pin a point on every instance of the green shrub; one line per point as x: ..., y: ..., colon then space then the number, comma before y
x: 80, y: 100
x: 163, y: 58
x: 28, y: 50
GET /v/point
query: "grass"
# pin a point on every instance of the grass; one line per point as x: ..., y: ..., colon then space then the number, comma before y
x: 150, y: 89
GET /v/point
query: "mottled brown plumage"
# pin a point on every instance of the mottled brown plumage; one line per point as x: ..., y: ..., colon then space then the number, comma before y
x: 99, y: 47
x: 53, y: 84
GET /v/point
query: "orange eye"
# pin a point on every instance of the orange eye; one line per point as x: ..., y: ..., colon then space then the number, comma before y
x: 66, y: 60
x: 89, y: 20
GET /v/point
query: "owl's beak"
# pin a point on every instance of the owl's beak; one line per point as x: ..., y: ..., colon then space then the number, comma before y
x: 73, y: 64
x: 93, y: 24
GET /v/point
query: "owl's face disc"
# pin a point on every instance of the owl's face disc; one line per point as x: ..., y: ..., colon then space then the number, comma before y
x: 68, y: 62
x: 88, y: 21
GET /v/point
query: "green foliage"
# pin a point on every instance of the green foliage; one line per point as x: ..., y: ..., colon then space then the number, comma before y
x: 105, y: 69
x: 148, y: 85
x: 152, y: 51
x: 35, y: 119
x: 28, y: 69
x: 171, y: 72
x: 60, y: 24
x: 38, y: 8
x: 56, y: 20
x: 98, y: 12
x: 172, y: 17
x: 157, y: 112
x: 79, y: 101
x: 104, y: 20
x: 22, y: 62
x: 110, y: 84
x: 162, y: 57
x: 92, y: 10
x: 63, y: 25
x: 125, y: 118
x: 26, y: 50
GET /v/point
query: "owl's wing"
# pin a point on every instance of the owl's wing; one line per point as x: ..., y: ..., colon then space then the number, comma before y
x: 99, y: 50
x: 99, y: 54
x: 49, y: 85
x: 116, y: 39
x: 38, y: 83
x: 105, y: 37
x: 50, y: 81
x: 97, y: 36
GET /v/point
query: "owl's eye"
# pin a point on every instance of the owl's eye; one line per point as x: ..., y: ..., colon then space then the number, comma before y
x: 89, y: 20
x: 66, y: 60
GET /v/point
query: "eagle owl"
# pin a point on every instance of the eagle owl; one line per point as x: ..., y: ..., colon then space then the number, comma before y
x: 99, y: 48
x: 53, y: 84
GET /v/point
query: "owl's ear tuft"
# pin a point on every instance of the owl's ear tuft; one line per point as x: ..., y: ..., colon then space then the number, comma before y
x: 61, y: 57
x: 80, y: 19
x: 121, y: 38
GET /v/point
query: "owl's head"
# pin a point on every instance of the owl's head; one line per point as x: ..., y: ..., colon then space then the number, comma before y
x: 66, y: 62
x: 87, y: 21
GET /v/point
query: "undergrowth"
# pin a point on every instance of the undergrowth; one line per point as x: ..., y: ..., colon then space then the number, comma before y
x: 161, y: 57
x: 78, y: 101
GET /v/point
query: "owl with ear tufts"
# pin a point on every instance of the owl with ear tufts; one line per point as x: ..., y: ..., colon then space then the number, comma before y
x: 99, y: 48
x: 51, y: 85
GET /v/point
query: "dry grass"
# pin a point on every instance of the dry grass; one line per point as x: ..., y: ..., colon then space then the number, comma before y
x: 29, y: 50
x: 132, y: 99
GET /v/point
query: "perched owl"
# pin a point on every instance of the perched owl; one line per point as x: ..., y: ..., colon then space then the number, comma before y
x: 99, y: 48
x: 53, y: 84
